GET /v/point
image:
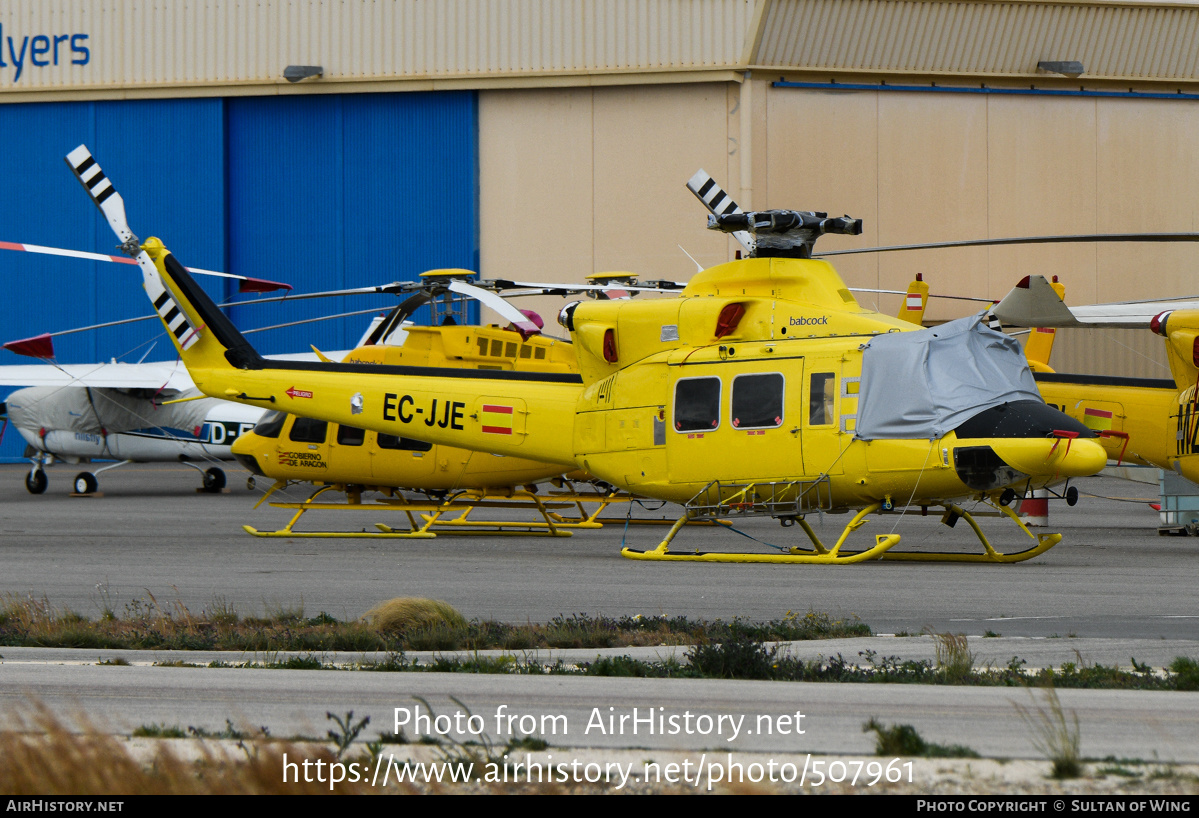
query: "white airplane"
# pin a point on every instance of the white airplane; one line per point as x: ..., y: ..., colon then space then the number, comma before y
x: 151, y: 412
x: 119, y: 412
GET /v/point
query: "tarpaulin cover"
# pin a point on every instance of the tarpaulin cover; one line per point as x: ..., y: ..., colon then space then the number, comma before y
x: 921, y: 385
x: 80, y: 409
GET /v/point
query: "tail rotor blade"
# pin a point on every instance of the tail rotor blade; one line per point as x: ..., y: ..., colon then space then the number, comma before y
x: 100, y: 188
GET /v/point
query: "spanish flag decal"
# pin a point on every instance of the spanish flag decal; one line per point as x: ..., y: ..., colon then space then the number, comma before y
x: 1098, y: 419
x: 497, y: 420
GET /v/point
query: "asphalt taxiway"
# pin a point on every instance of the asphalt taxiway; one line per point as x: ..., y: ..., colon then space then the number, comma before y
x: 152, y: 533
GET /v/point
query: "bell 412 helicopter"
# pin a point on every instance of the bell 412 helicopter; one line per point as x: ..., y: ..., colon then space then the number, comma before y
x: 457, y: 483
x: 763, y: 388
x: 1149, y: 421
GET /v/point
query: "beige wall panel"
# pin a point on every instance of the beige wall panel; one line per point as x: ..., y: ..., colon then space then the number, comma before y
x: 822, y: 151
x: 536, y: 187
x: 649, y: 140
x: 1041, y: 181
x: 576, y: 181
x: 1148, y: 164
x: 932, y: 171
x: 1118, y: 352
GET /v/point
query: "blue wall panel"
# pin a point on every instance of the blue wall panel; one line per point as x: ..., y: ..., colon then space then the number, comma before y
x: 329, y: 192
x: 321, y: 191
x: 165, y: 156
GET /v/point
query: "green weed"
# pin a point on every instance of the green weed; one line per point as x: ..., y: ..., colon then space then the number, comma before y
x: 159, y: 731
x: 903, y: 740
x: 1186, y: 673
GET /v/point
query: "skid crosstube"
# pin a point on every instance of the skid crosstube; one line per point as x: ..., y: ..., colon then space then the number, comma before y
x: 427, y: 519
x: 820, y: 555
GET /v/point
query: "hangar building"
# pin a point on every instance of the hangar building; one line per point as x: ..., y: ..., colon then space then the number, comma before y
x: 550, y: 139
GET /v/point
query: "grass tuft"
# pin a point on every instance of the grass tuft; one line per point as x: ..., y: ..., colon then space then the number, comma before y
x: 903, y: 740
x: 414, y: 614
x: 159, y: 730
x: 955, y: 661
x: 1186, y: 673
x: 1055, y: 736
x: 737, y: 658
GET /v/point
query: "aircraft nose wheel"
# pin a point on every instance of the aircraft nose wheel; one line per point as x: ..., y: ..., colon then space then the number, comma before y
x: 36, y: 481
x: 214, y: 480
x: 85, y: 483
x: 1072, y: 496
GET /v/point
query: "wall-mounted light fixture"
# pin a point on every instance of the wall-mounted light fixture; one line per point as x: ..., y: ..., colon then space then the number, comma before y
x: 295, y: 73
x: 1069, y: 68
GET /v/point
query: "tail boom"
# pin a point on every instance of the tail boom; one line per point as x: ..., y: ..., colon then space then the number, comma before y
x: 482, y: 410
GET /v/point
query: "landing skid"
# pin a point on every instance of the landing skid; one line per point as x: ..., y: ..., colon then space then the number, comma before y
x: 427, y: 519
x: 820, y: 555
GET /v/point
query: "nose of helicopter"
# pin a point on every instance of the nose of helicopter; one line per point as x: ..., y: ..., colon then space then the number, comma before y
x: 245, y: 450
x: 1058, y: 456
x: 1025, y: 438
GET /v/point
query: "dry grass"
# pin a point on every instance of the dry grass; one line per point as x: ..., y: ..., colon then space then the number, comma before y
x: 398, y: 625
x: 1054, y: 734
x: 408, y: 613
x: 42, y: 757
x: 954, y: 657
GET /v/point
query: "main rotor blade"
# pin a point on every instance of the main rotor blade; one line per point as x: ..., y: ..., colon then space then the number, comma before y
x: 1080, y: 239
x: 930, y: 295
x: 497, y: 304
x: 247, y: 284
x: 312, y: 320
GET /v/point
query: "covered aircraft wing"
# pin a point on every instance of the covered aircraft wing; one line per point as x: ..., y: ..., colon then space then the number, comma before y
x: 165, y: 375
x: 1033, y: 303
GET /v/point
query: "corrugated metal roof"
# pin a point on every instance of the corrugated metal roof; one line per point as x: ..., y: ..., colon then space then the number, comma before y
x: 118, y: 45
x: 132, y: 43
x: 1139, y: 41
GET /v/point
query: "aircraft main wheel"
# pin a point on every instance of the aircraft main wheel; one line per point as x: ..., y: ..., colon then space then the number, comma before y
x: 85, y: 483
x: 36, y: 482
x: 214, y: 480
x: 250, y: 483
x: 1072, y: 496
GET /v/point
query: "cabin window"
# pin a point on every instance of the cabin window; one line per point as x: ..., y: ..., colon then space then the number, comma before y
x: 270, y: 425
x: 403, y: 444
x: 509, y: 350
x: 482, y: 345
x: 697, y: 404
x: 497, y: 348
x: 820, y: 399
x: 350, y: 435
x: 307, y: 430
x: 757, y: 401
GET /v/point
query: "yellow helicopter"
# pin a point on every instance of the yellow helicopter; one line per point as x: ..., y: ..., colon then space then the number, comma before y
x: 764, y: 388
x: 291, y: 449
x: 1145, y: 421
x: 457, y: 482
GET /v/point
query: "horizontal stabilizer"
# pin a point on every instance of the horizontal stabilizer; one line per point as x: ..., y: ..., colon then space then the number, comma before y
x: 167, y: 375
x: 1033, y: 303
